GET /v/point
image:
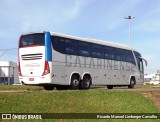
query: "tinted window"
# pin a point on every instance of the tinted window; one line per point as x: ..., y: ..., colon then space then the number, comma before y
x: 123, y: 56
x: 84, y: 48
x: 120, y: 54
x: 32, y: 40
x: 97, y: 51
x: 138, y: 55
x: 130, y: 57
x: 109, y: 53
x: 58, y: 44
x: 70, y: 46
x: 107, y: 48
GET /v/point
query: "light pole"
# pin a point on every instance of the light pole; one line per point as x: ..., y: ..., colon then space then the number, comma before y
x: 129, y: 18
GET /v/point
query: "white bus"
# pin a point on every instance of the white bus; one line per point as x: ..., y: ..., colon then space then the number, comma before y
x: 57, y: 60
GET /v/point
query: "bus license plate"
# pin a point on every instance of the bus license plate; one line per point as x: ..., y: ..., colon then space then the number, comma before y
x: 31, y: 79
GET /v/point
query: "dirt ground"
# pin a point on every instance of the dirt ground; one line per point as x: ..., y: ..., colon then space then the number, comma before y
x: 154, y: 95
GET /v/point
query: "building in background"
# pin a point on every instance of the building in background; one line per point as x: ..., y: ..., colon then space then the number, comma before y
x: 152, y: 78
x: 9, y: 73
x: 148, y: 77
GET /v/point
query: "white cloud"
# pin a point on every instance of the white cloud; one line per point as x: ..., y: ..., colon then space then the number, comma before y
x: 26, y: 23
x: 72, y: 12
x: 148, y: 19
x: 155, y: 11
x: 41, y: 17
x: 34, y: 15
x: 149, y: 25
x: 120, y: 9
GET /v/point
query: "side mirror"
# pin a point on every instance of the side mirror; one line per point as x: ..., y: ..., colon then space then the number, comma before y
x: 146, y: 63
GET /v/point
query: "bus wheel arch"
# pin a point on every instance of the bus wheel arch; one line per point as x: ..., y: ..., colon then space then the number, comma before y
x: 86, y: 82
x: 132, y: 82
x: 75, y: 81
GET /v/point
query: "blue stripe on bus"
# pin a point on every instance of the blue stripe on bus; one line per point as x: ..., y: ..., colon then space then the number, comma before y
x: 48, y: 48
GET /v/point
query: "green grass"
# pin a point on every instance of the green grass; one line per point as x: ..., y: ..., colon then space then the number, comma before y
x: 19, y: 87
x: 32, y: 88
x: 91, y: 101
x: 78, y: 101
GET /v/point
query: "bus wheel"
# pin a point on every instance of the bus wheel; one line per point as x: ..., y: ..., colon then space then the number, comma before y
x: 132, y: 83
x: 48, y: 87
x: 110, y: 87
x: 75, y: 82
x: 86, y: 82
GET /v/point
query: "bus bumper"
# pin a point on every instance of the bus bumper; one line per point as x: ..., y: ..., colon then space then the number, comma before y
x: 35, y: 80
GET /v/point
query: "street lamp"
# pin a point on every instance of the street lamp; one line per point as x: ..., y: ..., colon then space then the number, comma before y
x: 129, y: 18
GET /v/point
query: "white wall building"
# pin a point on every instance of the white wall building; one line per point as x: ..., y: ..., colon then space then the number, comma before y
x: 152, y: 78
x: 148, y: 77
x: 9, y: 73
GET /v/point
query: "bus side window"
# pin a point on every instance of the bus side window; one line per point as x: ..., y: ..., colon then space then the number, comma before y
x: 123, y: 56
x: 130, y: 57
x: 97, y: 51
x: 70, y: 47
x: 109, y: 53
x: 58, y: 44
x: 120, y: 55
x: 84, y: 48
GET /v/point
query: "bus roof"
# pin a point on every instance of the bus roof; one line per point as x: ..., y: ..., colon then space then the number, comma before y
x: 96, y: 41
x: 102, y: 42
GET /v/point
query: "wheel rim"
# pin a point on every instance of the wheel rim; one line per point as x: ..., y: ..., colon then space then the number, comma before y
x: 87, y: 83
x: 75, y: 82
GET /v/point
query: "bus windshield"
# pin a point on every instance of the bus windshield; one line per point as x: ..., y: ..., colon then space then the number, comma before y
x: 37, y: 39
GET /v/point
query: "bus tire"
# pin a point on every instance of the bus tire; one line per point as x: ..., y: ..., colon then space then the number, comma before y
x: 131, y: 85
x: 109, y: 86
x: 48, y: 87
x: 86, y: 82
x: 75, y: 82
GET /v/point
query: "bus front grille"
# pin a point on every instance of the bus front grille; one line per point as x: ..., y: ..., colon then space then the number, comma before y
x: 36, y: 56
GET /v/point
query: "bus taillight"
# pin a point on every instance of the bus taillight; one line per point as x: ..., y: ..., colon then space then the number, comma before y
x: 46, y: 69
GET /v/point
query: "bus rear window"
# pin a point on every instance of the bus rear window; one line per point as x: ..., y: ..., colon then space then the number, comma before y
x: 32, y: 40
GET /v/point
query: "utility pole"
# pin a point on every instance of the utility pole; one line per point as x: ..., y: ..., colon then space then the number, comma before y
x: 5, y: 50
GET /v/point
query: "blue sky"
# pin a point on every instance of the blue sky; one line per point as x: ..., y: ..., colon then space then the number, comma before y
x: 98, y: 19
